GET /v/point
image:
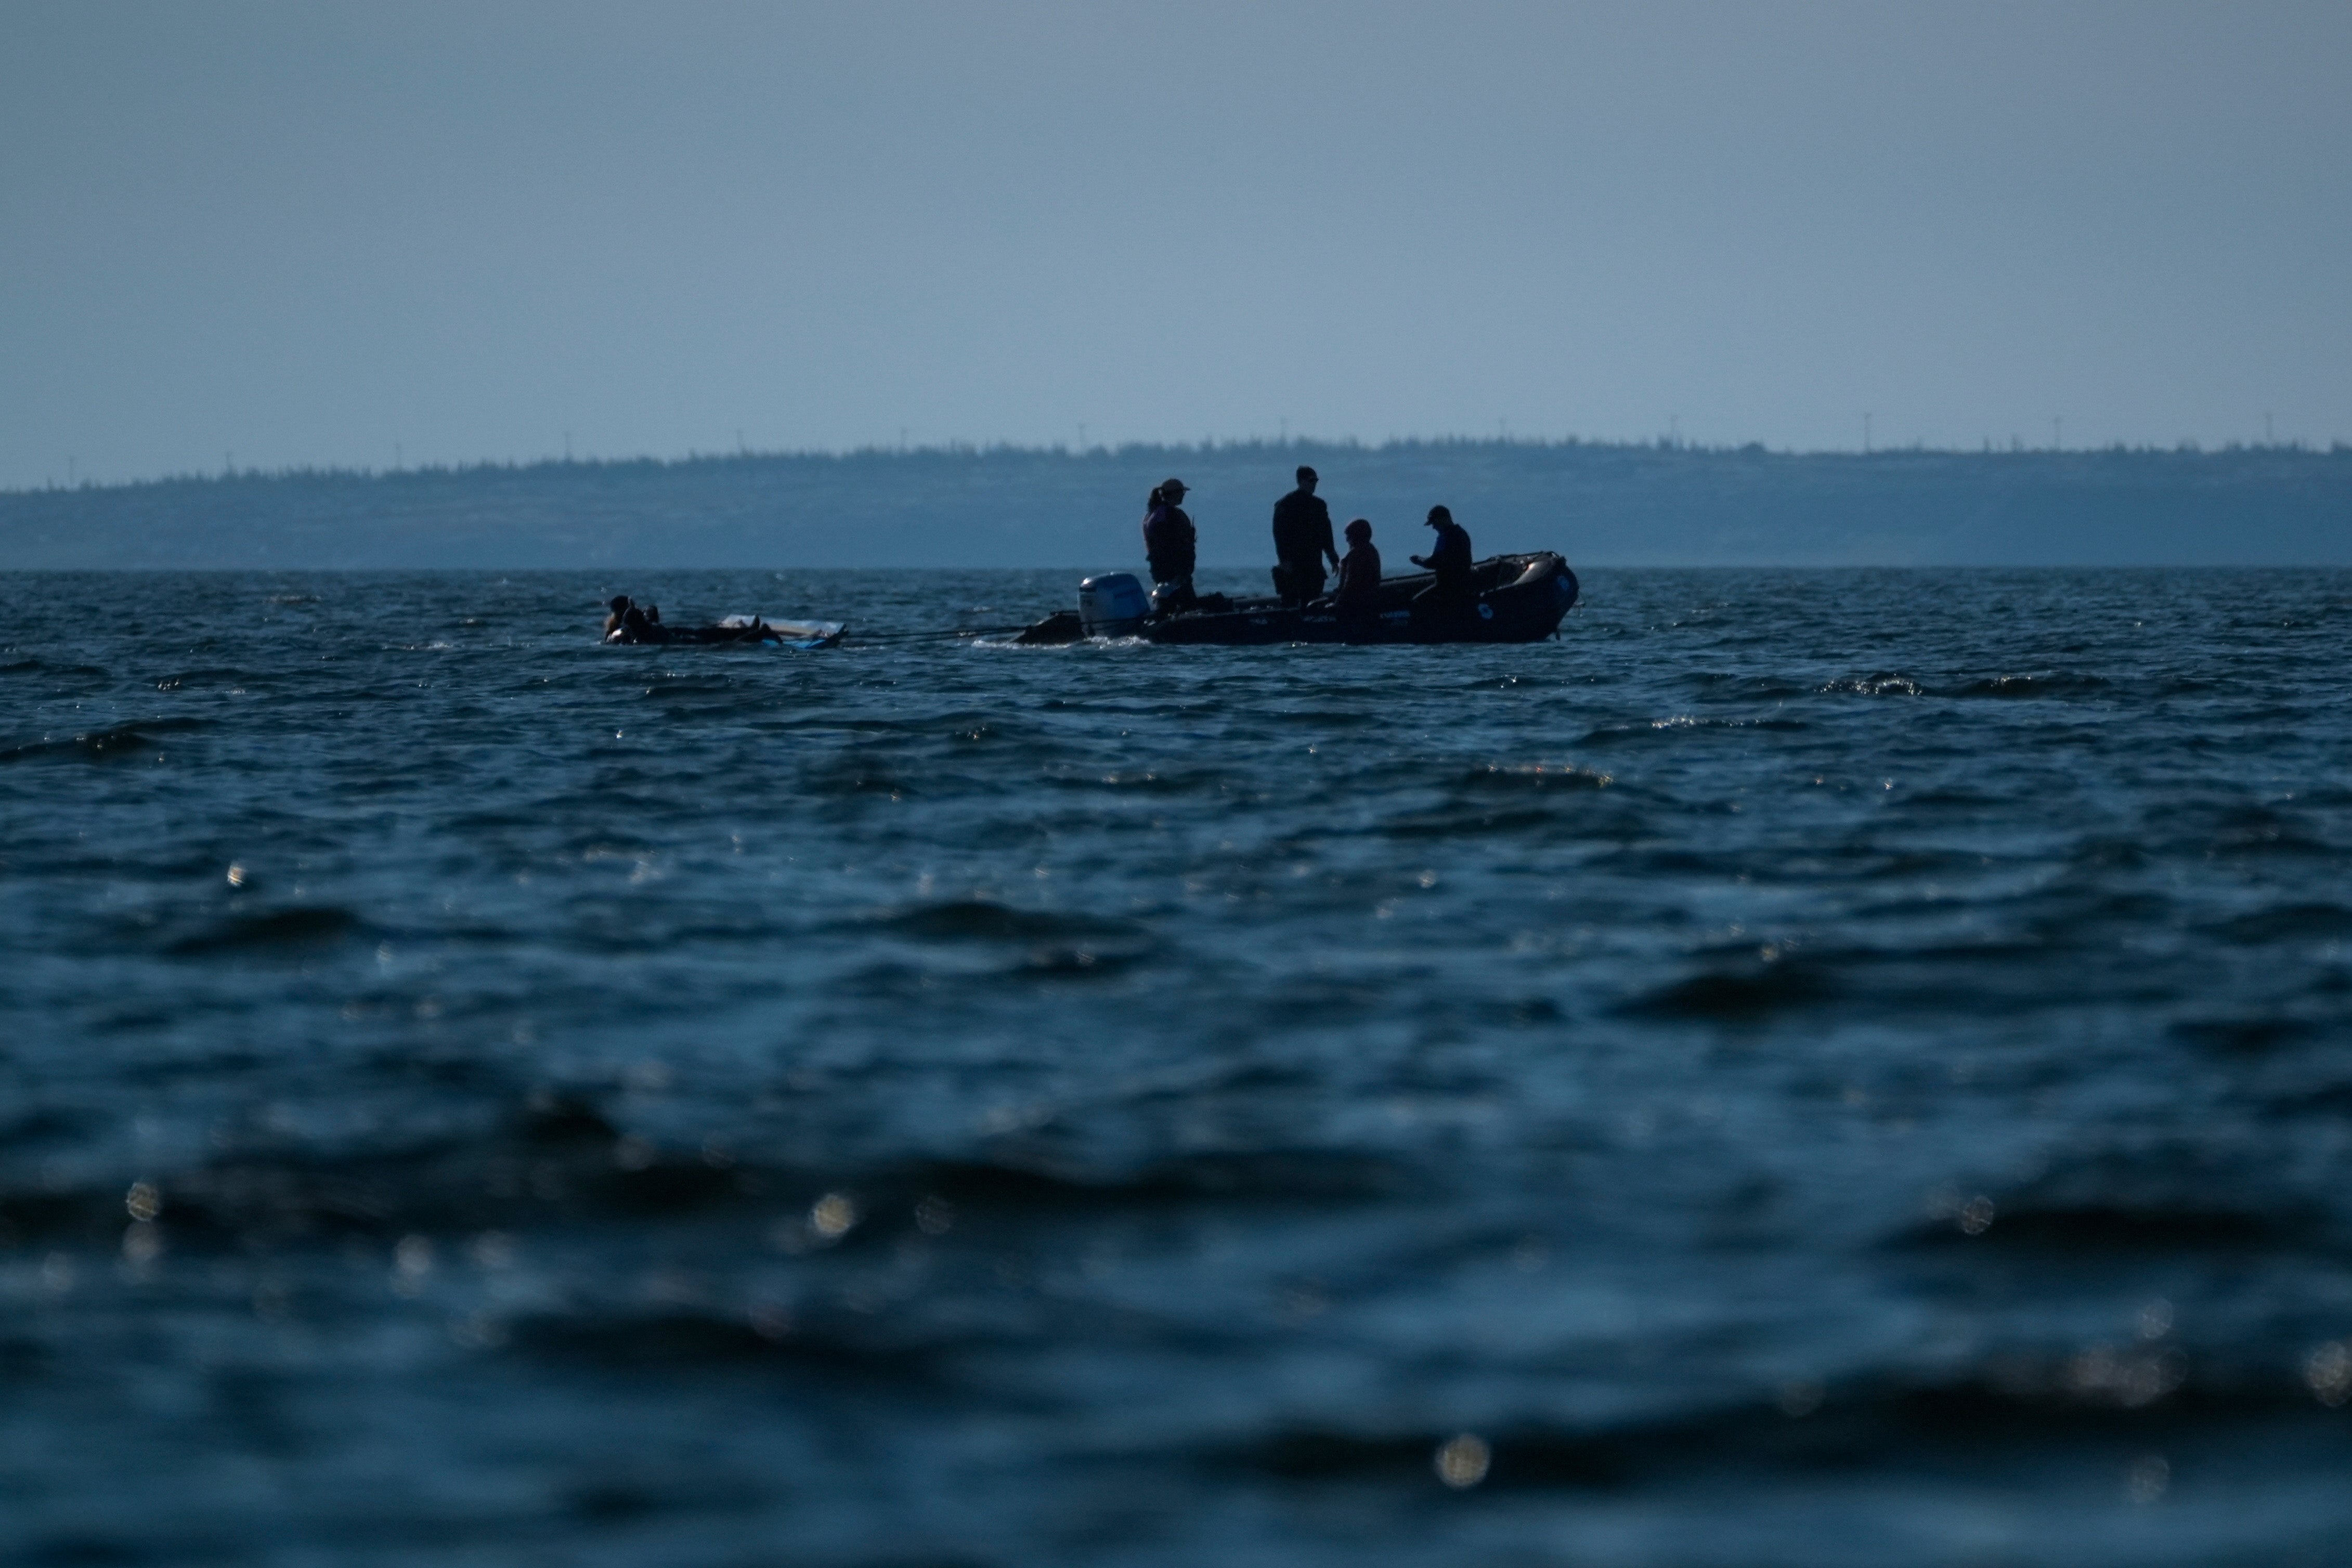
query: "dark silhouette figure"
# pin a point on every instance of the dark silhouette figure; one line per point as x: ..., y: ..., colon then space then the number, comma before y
x: 1451, y: 594
x: 1302, y: 541
x: 1168, y: 540
x: 1357, y: 601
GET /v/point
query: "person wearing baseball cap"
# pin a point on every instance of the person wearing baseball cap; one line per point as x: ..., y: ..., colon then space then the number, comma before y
x: 1168, y: 542
x: 1449, y: 558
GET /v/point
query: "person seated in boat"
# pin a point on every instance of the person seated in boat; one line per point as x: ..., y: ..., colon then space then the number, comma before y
x: 1302, y: 541
x: 1169, y: 542
x: 1449, y: 560
x: 618, y: 607
x: 1357, y: 600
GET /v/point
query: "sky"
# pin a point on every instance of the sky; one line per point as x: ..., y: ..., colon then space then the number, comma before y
x: 276, y: 235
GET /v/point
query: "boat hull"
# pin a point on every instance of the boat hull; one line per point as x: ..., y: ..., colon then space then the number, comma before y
x: 1519, y: 599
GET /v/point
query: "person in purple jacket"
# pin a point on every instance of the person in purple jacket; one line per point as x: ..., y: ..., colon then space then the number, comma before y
x: 1356, y: 601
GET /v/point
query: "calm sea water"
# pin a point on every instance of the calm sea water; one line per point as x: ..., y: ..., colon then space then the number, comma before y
x: 1807, y: 1068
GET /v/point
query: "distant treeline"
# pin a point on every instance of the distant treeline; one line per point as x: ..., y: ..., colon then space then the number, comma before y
x: 1659, y: 504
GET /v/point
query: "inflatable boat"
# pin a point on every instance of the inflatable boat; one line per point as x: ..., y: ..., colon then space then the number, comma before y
x: 735, y: 630
x: 1516, y: 598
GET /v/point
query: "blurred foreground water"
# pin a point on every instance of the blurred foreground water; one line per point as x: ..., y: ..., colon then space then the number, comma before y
x: 1811, y: 1067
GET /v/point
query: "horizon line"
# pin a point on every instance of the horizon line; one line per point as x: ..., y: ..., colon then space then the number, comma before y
x: 230, y: 473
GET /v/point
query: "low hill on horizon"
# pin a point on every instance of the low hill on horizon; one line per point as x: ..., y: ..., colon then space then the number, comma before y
x: 1601, y: 505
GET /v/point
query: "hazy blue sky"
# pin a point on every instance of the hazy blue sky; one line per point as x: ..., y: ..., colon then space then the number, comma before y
x: 311, y: 232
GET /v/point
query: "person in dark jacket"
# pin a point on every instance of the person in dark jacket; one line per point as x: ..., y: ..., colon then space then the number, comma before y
x: 623, y: 607
x: 1451, y: 593
x: 1302, y: 541
x: 1168, y: 544
x: 637, y: 627
x: 1357, y: 601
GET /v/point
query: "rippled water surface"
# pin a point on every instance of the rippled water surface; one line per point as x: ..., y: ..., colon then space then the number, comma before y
x: 1807, y: 1068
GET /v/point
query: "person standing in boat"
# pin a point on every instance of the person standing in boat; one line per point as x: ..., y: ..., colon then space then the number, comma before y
x: 1357, y: 601
x: 1302, y: 541
x: 1169, y: 542
x: 1449, y: 560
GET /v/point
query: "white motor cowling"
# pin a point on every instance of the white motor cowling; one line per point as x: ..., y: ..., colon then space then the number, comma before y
x: 1112, y: 605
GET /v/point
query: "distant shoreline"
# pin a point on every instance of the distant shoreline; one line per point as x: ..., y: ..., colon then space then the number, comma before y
x: 1303, y: 448
x: 1652, y: 504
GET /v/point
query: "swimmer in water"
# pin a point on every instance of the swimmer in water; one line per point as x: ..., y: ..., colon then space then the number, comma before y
x: 637, y: 627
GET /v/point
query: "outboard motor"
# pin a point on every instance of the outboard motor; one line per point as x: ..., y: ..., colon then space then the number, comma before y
x: 1112, y: 605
